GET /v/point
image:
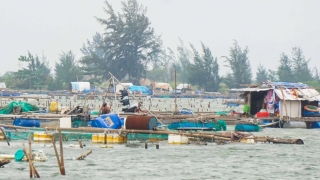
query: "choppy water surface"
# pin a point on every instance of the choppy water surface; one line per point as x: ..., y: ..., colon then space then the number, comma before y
x: 229, y: 161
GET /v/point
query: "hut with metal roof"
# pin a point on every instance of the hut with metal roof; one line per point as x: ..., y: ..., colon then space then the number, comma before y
x: 282, y: 100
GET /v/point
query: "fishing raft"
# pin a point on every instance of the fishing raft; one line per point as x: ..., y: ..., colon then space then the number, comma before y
x: 220, y: 138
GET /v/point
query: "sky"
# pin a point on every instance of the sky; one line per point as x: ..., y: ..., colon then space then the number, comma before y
x: 267, y: 27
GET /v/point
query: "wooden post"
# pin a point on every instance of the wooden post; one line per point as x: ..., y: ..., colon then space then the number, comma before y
x: 175, y: 90
x: 284, y: 102
x: 33, y: 169
x: 84, y: 155
x: 80, y: 143
x: 63, y: 172
x: 30, y: 153
x: 105, y: 138
x: 5, y: 136
x: 56, y: 152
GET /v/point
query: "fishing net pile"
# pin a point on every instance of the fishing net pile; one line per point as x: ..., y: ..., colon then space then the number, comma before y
x: 17, y: 107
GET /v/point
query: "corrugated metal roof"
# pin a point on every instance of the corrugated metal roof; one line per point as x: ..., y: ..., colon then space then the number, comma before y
x: 303, y: 94
x: 250, y: 89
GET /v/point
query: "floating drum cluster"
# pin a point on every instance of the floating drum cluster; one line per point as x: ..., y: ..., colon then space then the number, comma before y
x: 108, y: 138
x: 177, y: 139
x: 42, y: 137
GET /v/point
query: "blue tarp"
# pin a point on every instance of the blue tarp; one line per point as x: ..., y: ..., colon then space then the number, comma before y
x: 137, y: 89
x: 289, y: 85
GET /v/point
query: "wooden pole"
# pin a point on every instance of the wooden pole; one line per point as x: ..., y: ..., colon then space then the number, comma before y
x: 175, y: 90
x: 84, y: 155
x: 33, y: 169
x: 56, y: 152
x: 5, y: 136
x: 105, y: 138
x: 63, y: 172
x: 284, y: 102
x: 30, y: 153
x: 80, y: 143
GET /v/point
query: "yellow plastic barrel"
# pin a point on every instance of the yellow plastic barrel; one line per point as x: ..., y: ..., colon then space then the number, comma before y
x: 54, y: 106
x: 42, y: 137
x: 108, y: 138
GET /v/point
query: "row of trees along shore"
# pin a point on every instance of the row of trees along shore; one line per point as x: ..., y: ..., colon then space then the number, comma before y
x: 130, y: 49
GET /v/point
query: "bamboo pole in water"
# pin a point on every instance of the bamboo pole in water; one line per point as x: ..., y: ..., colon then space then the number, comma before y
x: 5, y: 136
x: 84, y: 155
x: 30, y: 153
x: 175, y: 90
x: 63, y: 171
x: 80, y: 143
x: 33, y: 169
x: 56, y: 152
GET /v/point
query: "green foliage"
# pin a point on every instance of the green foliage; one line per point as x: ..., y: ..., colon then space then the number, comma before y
x: 223, y: 88
x: 240, y: 67
x: 294, y: 69
x: 158, y: 74
x: 301, y: 70
x: 272, y: 75
x: 284, y: 72
x: 184, y: 58
x: 128, y: 46
x: 313, y: 83
x: 67, y: 70
x: 36, y: 75
x: 163, y: 69
x: 94, y: 64
x: 262, y: 74
x: 228, y: 80
x: 204, y: 72
x: 10, y: 79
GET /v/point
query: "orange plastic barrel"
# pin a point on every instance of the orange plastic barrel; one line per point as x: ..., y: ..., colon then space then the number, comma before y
x: 141, y: 122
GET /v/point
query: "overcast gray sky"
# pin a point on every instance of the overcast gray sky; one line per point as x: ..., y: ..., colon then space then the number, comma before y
x: 267, y: 27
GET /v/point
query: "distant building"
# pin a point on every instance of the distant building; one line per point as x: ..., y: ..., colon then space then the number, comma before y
x: 76, y: 87
x: 3, y: 85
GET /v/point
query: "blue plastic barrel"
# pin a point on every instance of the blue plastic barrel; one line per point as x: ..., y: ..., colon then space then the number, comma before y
x: 26, y: 122
x: 112, y: 121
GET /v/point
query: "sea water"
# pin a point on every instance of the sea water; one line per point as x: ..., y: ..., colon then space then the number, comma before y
x: 211, y: 161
